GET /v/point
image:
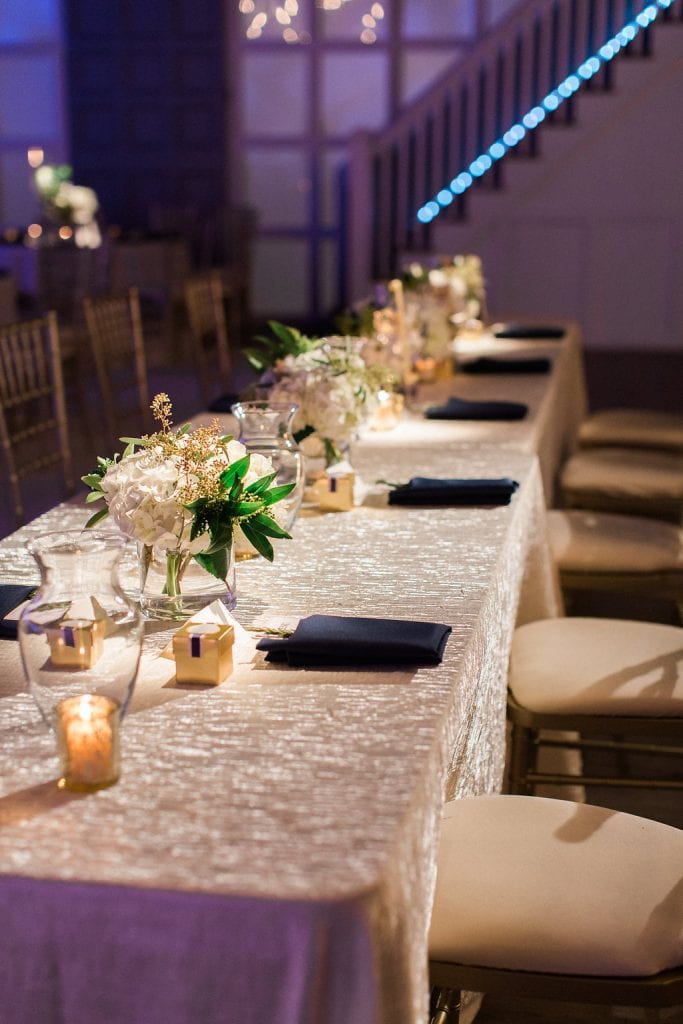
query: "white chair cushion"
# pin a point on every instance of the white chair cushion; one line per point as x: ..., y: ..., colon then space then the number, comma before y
x: 625, y: 472
x: 602, y: 543
x: 634, y: 428
x: 598, y: 666
x: 548, y: 885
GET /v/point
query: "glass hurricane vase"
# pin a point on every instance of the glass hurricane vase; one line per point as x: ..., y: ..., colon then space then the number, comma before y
x: 266, y: 429
x: 173, y: 585
x: 80, y: 639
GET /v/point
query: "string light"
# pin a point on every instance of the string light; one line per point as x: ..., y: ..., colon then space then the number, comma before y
x: 536, y: 115
x: 283, y: 14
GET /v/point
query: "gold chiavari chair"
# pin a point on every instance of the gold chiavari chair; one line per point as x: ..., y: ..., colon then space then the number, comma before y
x: 33, y: 428
x: 204, y: 297
x: 117, y: 342
x: 552, y: 900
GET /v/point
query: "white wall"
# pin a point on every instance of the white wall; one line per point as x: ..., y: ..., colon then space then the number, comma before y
x: 593, y: 230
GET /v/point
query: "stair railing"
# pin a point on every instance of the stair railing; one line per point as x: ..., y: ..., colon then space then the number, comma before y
x: 504, y: 75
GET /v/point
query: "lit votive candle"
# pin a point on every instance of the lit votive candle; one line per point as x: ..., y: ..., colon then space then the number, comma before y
x: 88, y: 742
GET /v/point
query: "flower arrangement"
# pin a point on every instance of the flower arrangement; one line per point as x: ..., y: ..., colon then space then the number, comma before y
x: 68, y: 204
x: 447, y: 297
x: 181, y: 494
x: 335, y: 389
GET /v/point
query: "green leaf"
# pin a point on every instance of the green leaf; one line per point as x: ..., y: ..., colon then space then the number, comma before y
x: 215, y: 562
x: 262, y: 484
x: 277, y: 493
x: 236, y: 471
x: 132, y: 440
x: 247, y: 508
x: 96, y: 518
x: 261, y: 543
x: 93, y: 480
x: 93, y: 496
x: 266, y: 524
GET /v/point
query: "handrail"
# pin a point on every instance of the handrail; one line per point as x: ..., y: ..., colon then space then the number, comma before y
x: 504, y: 76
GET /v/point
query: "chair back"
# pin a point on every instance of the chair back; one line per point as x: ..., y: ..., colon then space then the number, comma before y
x: 204, y: 294
x: 33, y: 428
x: 117, y: 342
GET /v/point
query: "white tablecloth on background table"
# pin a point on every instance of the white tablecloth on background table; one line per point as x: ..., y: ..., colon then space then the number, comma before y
x: 269, y: 852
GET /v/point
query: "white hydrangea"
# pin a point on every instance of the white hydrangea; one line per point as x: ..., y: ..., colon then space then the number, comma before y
x: 332, y: 386
x: 142, y: 494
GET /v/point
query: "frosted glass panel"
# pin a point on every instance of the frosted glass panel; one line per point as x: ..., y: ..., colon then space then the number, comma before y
x: 29, y: 20
x: 438, y: 18
x: 275, y: 91
x: 347, y: 22
x: 19, y: 204
x: 422, y: 67
x: 354, y: 91
x: 330, y: 166
x: 280, y: 277
x: 279, y: 186
x: 499, y: 10
x: 328, y: 263
x: 30, y: 98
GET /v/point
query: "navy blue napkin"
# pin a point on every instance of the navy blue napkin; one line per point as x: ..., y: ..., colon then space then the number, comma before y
x: 530, y: 331
x: 461, y: 409
x: 486, y: 364
x: 224, y: 403
x: 340, y: 640
x: 11, y: 595
x: 423, y: 490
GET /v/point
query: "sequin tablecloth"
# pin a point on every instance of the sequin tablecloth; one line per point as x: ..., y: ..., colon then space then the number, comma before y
x: 269, y: 852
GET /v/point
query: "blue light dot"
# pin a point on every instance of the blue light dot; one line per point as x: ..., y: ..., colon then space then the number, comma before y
x: 445, y: 197
x: 585, y: 72
x: 518, y: 131
x: 630, y: 32
x: 529, y: 120
x: 594, y: 64
x: 564, y: 90
x: 573, y: 83
x: 433, y: 208
x: 424, y: 216
x: 476, y: 169
x: 457, y: 187
x: 485, y: 161
x: 465, y: 179
x: 606, y: 51
x: 497, y: 150
x: 509, y: 139
x: 539, y: 114
x: 551, y: 102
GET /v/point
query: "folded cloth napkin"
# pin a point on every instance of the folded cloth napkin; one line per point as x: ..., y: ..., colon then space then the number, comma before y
x: 224, y: 403
x: 338, y: 640
x: 529, y: 331
x: 11, y: 595
x: 422, y: 490
x: 485, y: 364
x: 461, y: 409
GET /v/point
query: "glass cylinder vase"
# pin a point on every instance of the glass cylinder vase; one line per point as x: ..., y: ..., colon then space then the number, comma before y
x: 80, y: 639
x: 266, y: 429
x: 173, y: 585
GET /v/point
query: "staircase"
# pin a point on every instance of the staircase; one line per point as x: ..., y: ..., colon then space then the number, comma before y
x: 529, y: 100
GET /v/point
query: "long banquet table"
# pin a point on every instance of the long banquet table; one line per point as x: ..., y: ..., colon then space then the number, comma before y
x: 269, y: 852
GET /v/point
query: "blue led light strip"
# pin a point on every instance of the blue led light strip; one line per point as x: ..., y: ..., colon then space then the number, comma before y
x: 531, y: 120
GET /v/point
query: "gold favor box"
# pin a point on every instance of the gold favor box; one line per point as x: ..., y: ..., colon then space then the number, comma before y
x: 335, y: 493
x: 203, y: 652
x: 77, y: 643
